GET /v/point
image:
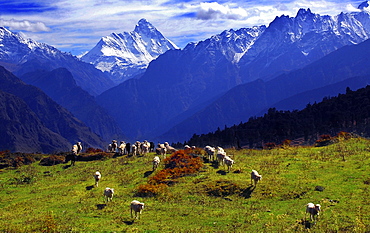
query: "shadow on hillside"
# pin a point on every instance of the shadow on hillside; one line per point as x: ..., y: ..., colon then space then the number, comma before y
x: 221, y: 172
x: 247, y: 193
x: 215, y: 164
x: 129, y: 222
x: 307, y: 224
x: 89, y: 187
x: 147, y: 173
x: 67, y: 166
x: 101, y: 206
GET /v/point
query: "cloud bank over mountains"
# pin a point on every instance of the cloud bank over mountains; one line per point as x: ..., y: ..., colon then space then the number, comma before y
x: 76, y: 26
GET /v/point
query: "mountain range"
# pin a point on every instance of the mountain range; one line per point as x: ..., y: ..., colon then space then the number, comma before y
x: 176, y: 93
x: 32, y: 122
x: 20, y: 55
x: 178, y: 87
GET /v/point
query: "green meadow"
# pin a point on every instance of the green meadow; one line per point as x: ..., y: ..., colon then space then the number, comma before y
x: 63, y: 198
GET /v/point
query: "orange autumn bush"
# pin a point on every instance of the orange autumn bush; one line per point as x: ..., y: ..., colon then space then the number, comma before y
x: 179, y: 164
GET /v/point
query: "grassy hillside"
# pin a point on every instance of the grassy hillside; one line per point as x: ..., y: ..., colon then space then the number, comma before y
x: 59, y: 198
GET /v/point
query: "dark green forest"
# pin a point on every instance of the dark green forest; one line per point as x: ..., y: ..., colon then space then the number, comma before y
x: 349, y: 112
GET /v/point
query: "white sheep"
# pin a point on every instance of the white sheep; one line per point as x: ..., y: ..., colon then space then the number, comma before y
x: 134, y: 150
x: 145, y: 148
x: 138, y: 147
x: 97, y: 177
x: 220, y: 155
x: 137, y: 207
x: 114, y: 146
x: 156, y: 162
x: 186, y: 147
x: 77, y: 148
x: 121, y: 148
x: 169, y: 148
x: 313, y: 210
x: 161, y: 150
x: 228, y: 162
x: 108, y: 194
x: 255, y: 177
x: 210, y: 152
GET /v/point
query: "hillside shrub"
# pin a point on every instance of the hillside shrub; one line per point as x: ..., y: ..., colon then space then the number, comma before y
x: 94, y: 156
x: 324, y: 140
x: 8, y: 159
x: 91, y: 150
x: 269, y: 145
x: 179, y: 164
x: 52, y: 160
x: 150, y: 190
x: 222, y: 188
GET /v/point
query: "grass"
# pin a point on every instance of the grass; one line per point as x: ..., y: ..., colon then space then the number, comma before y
x: 59, y: 198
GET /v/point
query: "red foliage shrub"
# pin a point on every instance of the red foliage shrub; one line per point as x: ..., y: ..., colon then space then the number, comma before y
x: 324, y: 140
x: 344, y: 135
x: 179, y: 164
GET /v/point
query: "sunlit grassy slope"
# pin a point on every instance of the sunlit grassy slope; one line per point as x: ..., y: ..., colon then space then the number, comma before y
x: 57, y: 198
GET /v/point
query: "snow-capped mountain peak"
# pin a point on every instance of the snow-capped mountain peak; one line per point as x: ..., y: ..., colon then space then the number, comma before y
x: 129, y: 53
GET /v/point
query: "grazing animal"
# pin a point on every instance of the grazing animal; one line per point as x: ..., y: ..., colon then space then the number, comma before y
x: 152, y: 146
x: 169, y: 148
x: 145, y: 148
x: 228, y: 162
x: 121, y: 148
x: 161, y: 150
x: 134, y: 150
x: 137, y: 207
x: 138, y: 147
x: 76, y: 149
x: 186, y: 147
x: 114, y: 146
x: 109, y: 149
x: 128, y: 148
x: 79, y: 147
x: 313, y: 210
x: 255, y: 177
x: 97, y: 177
x: 156, y: 162
x: 108, y: 194
x: 210, y: 152
x: 220, y: 155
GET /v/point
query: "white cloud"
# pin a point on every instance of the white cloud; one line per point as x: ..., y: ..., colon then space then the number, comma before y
x: 24, y: 25
x: 214, y: 10
x: 79, y: 25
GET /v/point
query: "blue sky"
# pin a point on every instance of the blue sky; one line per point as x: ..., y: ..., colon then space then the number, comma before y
x: 77, y: 25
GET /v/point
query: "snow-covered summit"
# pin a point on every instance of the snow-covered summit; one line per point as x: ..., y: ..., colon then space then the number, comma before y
x: 15, y: 48
x: 128, y: 53
x: 21, y: 55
